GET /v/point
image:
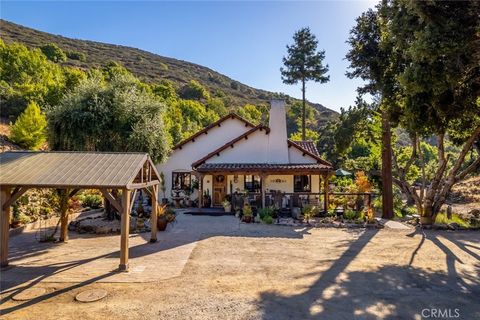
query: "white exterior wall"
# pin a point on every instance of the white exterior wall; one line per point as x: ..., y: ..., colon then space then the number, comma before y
x: 251, y: 150
x: 283, y: 183
x: 181, y: 159
x: 296, y: 156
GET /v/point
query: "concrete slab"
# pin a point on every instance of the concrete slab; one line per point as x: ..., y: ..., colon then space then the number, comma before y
x: 95, y: 258
x: 392, y: 224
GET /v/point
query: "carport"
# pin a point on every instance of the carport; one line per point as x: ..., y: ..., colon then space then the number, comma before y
x: 70, y: 172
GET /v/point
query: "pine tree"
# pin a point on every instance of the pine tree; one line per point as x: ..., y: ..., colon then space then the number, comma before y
x: 304, y: 63
x: 29, y: 128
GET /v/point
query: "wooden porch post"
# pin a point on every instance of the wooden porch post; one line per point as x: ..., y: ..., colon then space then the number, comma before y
x: 325, y: 192
x: 4, y: 225
x: 263, y: 185
x: 153, y: 215
x: 125, y: 230
x: 200, y: 190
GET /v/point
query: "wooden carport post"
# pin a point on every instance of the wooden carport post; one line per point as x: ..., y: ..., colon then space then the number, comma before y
x: 4, y: 225
x: 125, y: 230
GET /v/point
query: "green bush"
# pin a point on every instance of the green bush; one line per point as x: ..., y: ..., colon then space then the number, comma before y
x: 266, y: 212
x: 75, y: 55
x: 53, y: 53
x: 349, y: 214
x: 93, y: 201
x: 442, y: 219
x: 29, y: 129
x: 268, y: 220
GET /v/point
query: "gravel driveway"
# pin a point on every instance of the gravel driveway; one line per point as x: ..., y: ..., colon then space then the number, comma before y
x: 242, y: 271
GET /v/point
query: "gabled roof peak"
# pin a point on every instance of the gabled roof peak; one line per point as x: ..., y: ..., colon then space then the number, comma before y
x: 231, y: 115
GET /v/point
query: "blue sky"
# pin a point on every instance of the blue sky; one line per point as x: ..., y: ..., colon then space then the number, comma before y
x: 243, y: 40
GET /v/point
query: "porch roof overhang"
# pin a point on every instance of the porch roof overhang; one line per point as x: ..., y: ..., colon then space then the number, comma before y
x: 267, y: 168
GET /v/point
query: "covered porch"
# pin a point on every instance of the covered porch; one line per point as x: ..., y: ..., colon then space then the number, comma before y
x: 282, y: 186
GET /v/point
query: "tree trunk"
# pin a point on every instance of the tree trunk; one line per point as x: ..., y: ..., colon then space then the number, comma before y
x: 387, y: 192
x: 303, y: 111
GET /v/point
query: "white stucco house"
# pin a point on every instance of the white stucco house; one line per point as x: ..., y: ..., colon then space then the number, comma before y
x: 233, y: 156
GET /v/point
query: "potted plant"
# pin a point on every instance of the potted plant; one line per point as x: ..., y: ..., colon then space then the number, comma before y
x: 187, y: 200
x: 170, y: 215
x: 162, y: 218
x: 247, y: 213
x: 227, y: 206
x: 163, y: 188
x: 207, y: 201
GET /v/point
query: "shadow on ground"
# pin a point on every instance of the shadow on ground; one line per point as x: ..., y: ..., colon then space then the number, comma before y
x: 390, y: 292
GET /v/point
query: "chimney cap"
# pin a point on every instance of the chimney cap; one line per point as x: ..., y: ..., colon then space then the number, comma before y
x: 277, y: 102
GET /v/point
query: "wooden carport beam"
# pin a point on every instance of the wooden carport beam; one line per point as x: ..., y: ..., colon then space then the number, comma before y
x: 111, y: 199
x: 17, y: 193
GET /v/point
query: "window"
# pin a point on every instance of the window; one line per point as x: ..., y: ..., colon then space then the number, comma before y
x: 301, y: 184
x: 181, y: 180
x: 253, y: 183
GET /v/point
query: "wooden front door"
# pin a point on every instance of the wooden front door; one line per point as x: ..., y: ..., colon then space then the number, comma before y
x: 219, y: 189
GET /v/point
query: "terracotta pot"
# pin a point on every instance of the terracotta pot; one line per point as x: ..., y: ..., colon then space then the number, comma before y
x: 426, y: 220
x: 162, y: 223
x: 247, y: 219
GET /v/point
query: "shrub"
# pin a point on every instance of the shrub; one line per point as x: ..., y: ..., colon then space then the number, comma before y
x: 349, y: 214
x: 247, y: 211
x: 22, y: 218
x: 194, y: 91
x: 53, y: 53
x: 442, y: 219
x: 90, y: 200
x: 268, y: 220
x: 308, y: 211
x: 75, y: 55
x: 29, y: 129
x: 266, y: 212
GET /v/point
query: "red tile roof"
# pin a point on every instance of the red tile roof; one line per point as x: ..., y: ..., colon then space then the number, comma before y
x: 263, y: 167
x: 309, y: 148
x: 308, y: 145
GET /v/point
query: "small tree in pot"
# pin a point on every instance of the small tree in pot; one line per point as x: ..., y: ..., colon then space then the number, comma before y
x: 163, y: 188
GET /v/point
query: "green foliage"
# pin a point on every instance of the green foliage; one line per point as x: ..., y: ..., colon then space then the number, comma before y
x: 109, y: 116
x: 264, y: 213
x: 442, y: 219
x: 194, y: 91
x: 247, y: 211
x: 251, y: 113
x: 76, y: 55
x: 268, y: 220
x: 303, y: 61
x: 310, y: 135
x: 29, y: 129
x: 26, y: 75
x: 91, y: 200
x: 350, y: 214
x: 53, y: 53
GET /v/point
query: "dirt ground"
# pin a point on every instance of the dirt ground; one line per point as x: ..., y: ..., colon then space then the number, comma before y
x: 273, y: 272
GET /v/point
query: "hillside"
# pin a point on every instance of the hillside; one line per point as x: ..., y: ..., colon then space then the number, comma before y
x: 147, y: 66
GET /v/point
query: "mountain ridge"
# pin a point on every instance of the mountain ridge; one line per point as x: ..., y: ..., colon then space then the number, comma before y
x: 147, y: 66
